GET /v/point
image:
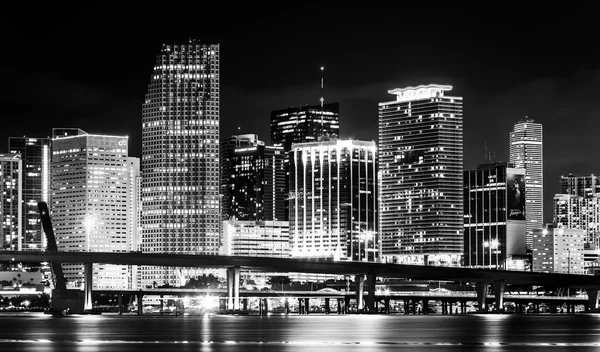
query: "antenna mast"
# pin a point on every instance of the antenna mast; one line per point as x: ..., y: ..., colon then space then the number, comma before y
x: 322, y: 99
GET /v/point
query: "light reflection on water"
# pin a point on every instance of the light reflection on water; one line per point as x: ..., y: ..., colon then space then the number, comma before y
x: 294, y: 333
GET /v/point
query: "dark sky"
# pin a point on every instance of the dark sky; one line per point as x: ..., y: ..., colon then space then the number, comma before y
x: 88, y: 67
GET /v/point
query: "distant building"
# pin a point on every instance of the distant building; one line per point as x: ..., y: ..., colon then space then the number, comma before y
x: 180, y: 158
x: 558, y: 250
x: 494, y: 208
x: 526, y: 152
x: 256, y: 238
x: 93, y: 210
x: 333, y: 200
x: 11, y: 196
x: 421, y: 170
x: 253, y: 180
x: 35, y: 153
x: 304, y: 124
x: 583, y: 186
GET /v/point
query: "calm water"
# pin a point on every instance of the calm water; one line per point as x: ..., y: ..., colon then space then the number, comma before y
x: 38, y: 332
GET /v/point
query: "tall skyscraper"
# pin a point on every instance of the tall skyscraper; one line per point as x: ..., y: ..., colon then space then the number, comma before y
x: 333, y: 210
x: 494, y: 208
x: 421, y: 167
x: 180, y: 157
x: 253, y: 179
x: 11, y: 211
x: 526, y: 152
x: 35, y: 153
x: 305, y: 124
x: 93, y: 202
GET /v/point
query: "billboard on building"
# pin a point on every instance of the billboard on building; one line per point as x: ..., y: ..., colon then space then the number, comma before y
x: 515, y: 193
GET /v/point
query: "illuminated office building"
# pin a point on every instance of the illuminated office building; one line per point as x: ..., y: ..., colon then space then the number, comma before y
x: 253, y: 179
x: 333, y: 205
x: 583, y: 186
x: 180, y: 158
x: 35, y: 154
x: 256, y: 238
x: 558, y: 250
x: 494, y: 208
x: 305, y: 124
x: 526, y: 152
x: 421, y: 171
x: 93, y: 202
x: 11, y: 215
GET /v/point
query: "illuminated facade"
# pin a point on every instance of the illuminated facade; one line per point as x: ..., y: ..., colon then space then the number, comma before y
x: 558, y: 250
x: 526, y: 152
x: 583, y: 186
x: 11, y: 215
x: 576, y: 212
x: 256, y: 238
x: 93, y: 202
x: 421, y: 171
x: 35, y: 153
x: 180, y: 158
x: 333, y: 207
x: 253, y: 180
x: 304, y: 124
x: 494, y: 202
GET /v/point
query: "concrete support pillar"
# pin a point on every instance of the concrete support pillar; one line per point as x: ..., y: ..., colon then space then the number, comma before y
x: 371, y: 281
x: 425, y: 306
x: 140, y: 304
x: 161, y: 304
x: 88, y: 273
x: 387, y: 305
x: 414, y: 307
x: 359, y: 282
x: 120, y: 303
x: 300, y: 305
x: 266, y: 304
x: 326, y: 305
x: 346, y: 304
x: 339, y: 305
x: 307, y: 305
x: 233, y: 288
x: 287, y: 306
x: 593, y: 295
x: 482, y: 289
x: 245, y: 301
x: 406, y: 306
x: 499, y: 287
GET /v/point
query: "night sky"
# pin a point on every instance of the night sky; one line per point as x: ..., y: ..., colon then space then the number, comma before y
x: 89, y: 68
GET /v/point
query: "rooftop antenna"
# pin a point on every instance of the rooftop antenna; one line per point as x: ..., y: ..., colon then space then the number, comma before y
x: 322, y: 99
x: 485, y: 151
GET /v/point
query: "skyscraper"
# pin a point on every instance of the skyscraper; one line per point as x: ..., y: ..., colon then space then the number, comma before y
x: 421, y: 170
x: 253, y: 179
x: 526, y: 152
x: 11, y: 217
x: 494, y: 206
x: 583, y: 186
x: 92, y: 202
x: 304, y: 124
x: 180, y: 157
x: 35, y: 153
x: 333, y: 210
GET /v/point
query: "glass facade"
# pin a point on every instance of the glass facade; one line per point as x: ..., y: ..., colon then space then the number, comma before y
x: 253, y: 180
x: 35, y: 153
x: 333, y: 200
x: 180, y: 157
x: 421, y: 171
x: 11, y: 217
x: 526, y: 152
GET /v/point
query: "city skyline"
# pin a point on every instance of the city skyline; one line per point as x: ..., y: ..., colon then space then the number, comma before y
x: 506, y: 66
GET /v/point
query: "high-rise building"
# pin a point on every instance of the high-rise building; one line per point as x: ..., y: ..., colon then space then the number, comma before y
x: 11, y: 196
x: 256, y: 238
x: 421, y: 171
x: 333, y: 210
x: 35, y: 154
x: 253, y: 179
x: 180, y: 157
x: 583, y: 186
x: 526, y: 152
x: 305, y: 124
x: 558, y: 250
x: 93, y: 203
x: 494, y: 208
x: 576, y: 212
